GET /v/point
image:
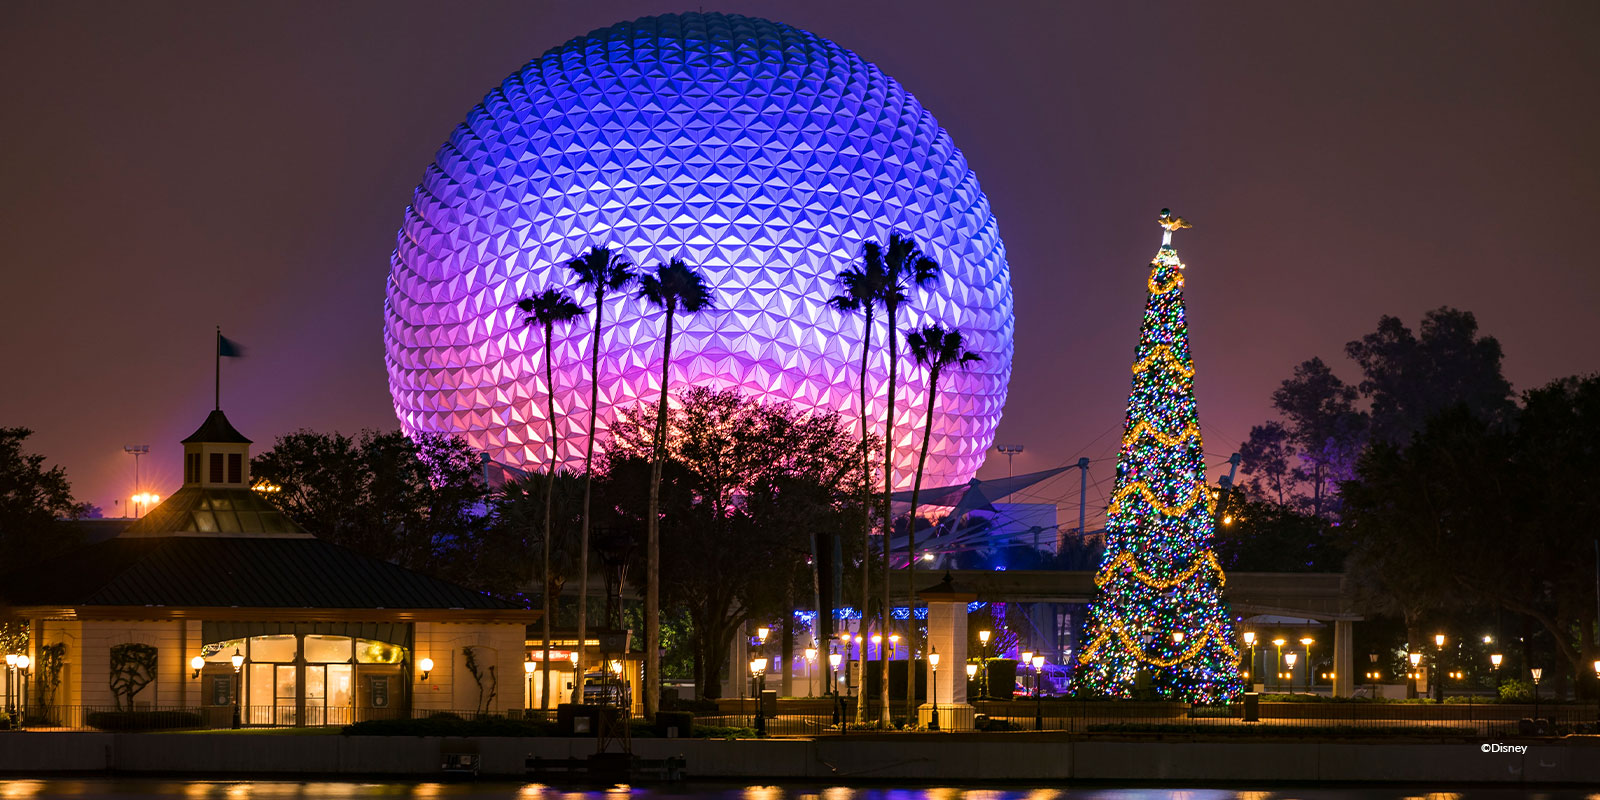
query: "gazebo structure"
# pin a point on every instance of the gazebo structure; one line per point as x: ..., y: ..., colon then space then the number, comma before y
x: 218, y: 604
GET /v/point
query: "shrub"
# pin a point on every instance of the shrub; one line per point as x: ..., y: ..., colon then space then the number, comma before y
x: 142, y: 720
x: 1516, y: 691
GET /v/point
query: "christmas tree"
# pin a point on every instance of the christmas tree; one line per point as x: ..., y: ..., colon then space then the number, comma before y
x: 1159, y: 607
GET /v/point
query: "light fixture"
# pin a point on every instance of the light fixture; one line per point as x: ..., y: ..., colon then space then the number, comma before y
x: 1438, y: 640
x: 237, y: 659
x: 762, y: 633
x: 1416, y: 658
x: 983, y: 636
x: 933, y: 660
x: 1038, y: 663
x: 927, y: 556
x: 1290, y: 658
x: 23, y: 663
x: 1487, y: 639
x: 811, y: 655
x: 1495, y: 659
x: 894, y: 639
x: 573, y: 657
x: 11, y: 659
x: 834, y: 659
x: 877, y: 638
x: 1027, y: 657
x: 972, y: 670
x: 426, y: 665
x: 197, y: 663
x: 1280, y: 642
x: 1250, y: 638
x: 758, y: 666
x: 1538, y: 672
x: 1177, y: 637
x: 616, y: 666
x: 1308, y: 641
x: 527, y: 666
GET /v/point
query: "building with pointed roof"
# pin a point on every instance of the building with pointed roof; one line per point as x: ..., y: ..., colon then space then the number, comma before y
x: 323, y: 635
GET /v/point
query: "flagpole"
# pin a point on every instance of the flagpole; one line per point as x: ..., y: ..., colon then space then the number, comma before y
x: 218, y: 371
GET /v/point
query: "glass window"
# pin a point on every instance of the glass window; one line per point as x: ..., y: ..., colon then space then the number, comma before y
x: 222, y: 652
x: 372, y: 651
x: 235, y: 468
x: 279, y: 649
x: 327, y: 649
x: 216, y: 468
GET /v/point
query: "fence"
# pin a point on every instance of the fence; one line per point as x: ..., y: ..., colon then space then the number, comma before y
x: 823, y: 717
x: 151, y: 718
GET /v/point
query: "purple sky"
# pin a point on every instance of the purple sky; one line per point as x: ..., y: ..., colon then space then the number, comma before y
x: 176, y: 166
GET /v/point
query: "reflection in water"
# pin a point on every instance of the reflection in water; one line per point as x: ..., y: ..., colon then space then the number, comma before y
x: 276, y: 790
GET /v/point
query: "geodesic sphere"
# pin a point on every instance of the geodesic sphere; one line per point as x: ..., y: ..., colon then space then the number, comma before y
x: 762, y: 156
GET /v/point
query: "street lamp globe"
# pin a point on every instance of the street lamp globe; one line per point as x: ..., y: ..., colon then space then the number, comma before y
x: 237, y: 659
x: 1290, y: 658
x: 983, y: 636
x: 758, y: 666
x: 527, y: 667
x: 1416, y: 658
x: 1495, y: 659
x: 972, y: 671
x: 1250, y: 638
x: 933, y: 660
x: 811, y: 655
x: 1027, y: 657
x: 1038, y: 662
x: 762, y: 633
x: 1438, y: 640
x: 11, y: 659
x: 23, y: 662
x: 834, y: 659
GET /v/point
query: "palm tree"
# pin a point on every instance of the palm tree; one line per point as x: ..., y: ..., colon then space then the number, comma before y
x: 934, y: 348
x: 864, y: 287
x: 546, y: 309
x: 907, y: 268
x: 673, y: 287
x: 602, y: 272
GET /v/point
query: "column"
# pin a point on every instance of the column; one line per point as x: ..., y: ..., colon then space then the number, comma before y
x: 1343, y: 659
x: 947, y: 635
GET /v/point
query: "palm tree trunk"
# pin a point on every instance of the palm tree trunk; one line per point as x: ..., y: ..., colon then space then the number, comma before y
x: 588, y: 493
x: 549, y: 504
x: 888, y: 524
x: 652, y: 546
x: 911, y: 552
x: 866, y: 514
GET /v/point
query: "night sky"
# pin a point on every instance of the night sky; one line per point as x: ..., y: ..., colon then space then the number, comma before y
x: 170, y: 167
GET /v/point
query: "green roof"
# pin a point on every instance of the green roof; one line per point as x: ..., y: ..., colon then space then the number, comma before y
x: 201, y: 511
x: 216, y: 430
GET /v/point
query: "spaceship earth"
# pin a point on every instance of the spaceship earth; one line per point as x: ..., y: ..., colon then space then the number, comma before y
x: 763, y: 156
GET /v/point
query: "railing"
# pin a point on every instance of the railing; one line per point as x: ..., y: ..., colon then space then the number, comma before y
x: 822, y: 717
x: 153, y: 718
x: 1115, y: 717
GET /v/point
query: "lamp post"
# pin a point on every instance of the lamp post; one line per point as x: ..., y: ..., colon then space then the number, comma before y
x: 527, y: 669
x: 758, y: 669
x: 237, y: 659
x: 1289, y: 658
x: 23, y: 662
x: 833, y: 686
x: 972, y: 672
x: 1416, y: 660
x: 1277, y: 671
x: 1311, y: 664
x: 1372, y: 677
x: 11, y: 679
x: 1537, y: 672
x: 933, y: 663
x: 1438, y: 667
x: 983, y: 659
x: 1038, y: 693
x: 1597, y: 705
x: 1250, y: 641
x: 811, y: 659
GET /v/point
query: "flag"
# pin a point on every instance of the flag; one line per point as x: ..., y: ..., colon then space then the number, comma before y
x: 229, y: 348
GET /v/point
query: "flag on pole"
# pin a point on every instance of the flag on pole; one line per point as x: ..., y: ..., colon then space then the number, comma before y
x: 231, y: 349
x: 228, y: 348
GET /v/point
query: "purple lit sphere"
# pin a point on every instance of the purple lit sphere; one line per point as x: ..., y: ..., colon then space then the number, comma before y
x: 759, y: 154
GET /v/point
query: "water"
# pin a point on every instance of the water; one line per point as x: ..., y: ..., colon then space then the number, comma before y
x: 157, y: 789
